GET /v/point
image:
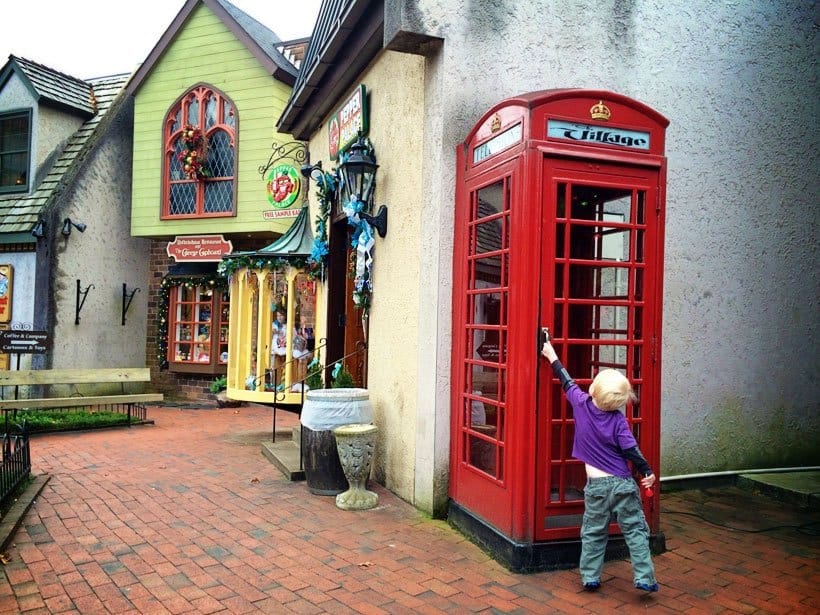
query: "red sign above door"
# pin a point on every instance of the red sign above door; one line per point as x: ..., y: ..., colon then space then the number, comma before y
x: 199, y: 248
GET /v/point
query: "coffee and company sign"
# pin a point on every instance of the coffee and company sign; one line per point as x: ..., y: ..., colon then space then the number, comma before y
x: 347, y: 122
x: 199, y: 248
x: 600, y: 135
x: 24, y: 342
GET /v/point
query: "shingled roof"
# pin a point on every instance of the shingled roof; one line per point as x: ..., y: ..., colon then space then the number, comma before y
x: 262, y: 43
x: 50, y: 87
x: 347, y: 36
x: 19, y: 214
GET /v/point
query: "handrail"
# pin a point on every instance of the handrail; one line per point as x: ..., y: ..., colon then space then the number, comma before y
x: 361, y: 349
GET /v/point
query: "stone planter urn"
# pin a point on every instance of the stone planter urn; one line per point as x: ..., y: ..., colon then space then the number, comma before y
x: 324, y: 410
x: 356, y: 443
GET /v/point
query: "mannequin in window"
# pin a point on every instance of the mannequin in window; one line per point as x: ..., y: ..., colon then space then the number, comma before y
x: 278, y: 345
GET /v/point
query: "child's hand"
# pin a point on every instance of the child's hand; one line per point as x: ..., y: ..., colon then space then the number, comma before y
x: 549, y: 352
x: 647, y: 481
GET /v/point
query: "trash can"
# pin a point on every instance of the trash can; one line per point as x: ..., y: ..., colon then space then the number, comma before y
x: 324, y: 410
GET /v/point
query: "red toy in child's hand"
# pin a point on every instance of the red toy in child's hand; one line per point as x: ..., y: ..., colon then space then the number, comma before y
x: 648, y: 492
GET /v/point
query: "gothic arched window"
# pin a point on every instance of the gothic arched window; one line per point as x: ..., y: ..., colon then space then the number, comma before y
x: 199, y: 162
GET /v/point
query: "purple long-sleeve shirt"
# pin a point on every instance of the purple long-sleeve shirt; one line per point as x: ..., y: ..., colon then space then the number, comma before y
x: 600, y: 437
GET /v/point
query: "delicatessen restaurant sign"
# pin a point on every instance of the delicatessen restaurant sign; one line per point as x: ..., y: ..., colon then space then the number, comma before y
x: 199, y: 248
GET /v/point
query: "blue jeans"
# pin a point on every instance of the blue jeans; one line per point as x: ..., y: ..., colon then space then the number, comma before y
x: 603, y: 498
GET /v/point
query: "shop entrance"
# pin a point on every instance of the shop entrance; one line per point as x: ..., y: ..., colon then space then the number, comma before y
x: 559, y: 224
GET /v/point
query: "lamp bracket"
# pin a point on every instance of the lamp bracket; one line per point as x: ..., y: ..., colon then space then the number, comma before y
x: 295, y: 151
x: 79, y: 305
x: 379, y: 221
x: 127, y: 298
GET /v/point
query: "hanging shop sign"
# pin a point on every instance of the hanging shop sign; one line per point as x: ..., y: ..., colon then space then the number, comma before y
x: 598, y: 135
x: 282, y: 184
x: 198, y: 248
x: 6, y: 279
x: 347, y: 122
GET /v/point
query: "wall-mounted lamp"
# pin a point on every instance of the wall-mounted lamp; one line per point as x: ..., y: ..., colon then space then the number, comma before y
x: 313, y: 171
x: 357, y: 175
x: 67, y: 224
x: 39, y: 229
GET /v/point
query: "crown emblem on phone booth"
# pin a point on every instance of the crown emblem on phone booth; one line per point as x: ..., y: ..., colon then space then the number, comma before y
x: 495, y: 126
x: 599, y: 111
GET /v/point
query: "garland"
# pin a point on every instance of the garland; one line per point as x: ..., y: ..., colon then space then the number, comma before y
x: 362, y: 242
x: 325, y: 189
x: 194, y: 153
x: 231, y: 264
x: 168, y: 284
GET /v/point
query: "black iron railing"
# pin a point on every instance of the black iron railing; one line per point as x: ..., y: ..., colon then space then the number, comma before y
x: 273, y: 378
x: 15, y: 466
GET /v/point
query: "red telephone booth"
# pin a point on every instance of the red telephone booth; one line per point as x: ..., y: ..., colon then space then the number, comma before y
x: 559, y: 223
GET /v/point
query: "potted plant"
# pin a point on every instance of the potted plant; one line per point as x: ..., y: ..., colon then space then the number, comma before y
x: 218, y: 386
x: 324, y: 410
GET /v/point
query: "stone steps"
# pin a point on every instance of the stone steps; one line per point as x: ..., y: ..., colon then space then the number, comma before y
x: 284, y: 453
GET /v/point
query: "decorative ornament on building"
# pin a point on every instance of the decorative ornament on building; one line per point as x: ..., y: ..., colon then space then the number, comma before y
x: 600, y: 111
x: 194, y: 153
x: 353, y: 183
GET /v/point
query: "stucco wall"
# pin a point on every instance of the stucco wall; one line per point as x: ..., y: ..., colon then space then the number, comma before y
x: 397, y: 335
x: 738, y: 82
x: 104, y: 255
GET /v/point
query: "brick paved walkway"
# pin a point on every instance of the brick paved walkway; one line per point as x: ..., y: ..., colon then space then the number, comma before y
x: 187, y: 516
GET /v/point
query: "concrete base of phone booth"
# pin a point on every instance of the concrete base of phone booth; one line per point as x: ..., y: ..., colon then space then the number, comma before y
x: 538, y: 556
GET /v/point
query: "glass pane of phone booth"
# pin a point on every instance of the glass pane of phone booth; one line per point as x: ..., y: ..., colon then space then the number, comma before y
x: 487, y: 314
x: 597, y: 318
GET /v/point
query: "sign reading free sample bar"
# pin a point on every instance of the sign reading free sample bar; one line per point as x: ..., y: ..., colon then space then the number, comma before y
x: 558, y: 129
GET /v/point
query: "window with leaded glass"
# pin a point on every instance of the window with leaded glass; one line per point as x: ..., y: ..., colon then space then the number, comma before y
x: 199, y: 163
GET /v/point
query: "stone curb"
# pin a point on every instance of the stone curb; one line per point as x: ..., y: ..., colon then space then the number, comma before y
x: 14, y: 517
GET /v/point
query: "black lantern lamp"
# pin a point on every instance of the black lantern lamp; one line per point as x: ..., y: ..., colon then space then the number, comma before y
x: 358, y: 180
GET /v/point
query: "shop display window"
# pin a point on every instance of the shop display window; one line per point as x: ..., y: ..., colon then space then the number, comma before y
x: 198, y: 329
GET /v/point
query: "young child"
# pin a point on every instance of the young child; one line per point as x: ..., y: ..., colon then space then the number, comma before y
x: 604, y: 442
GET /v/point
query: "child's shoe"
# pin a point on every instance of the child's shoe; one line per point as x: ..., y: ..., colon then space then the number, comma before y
x: 646, y: 587
x: 592, y: 586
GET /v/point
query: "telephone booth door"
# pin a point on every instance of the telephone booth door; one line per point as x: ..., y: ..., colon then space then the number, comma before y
x: 558, y: 223
x: 600, y: 299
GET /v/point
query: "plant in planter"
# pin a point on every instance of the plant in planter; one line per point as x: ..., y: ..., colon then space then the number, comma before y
x: 218, y: 386
x: 342, y: 379
x: 314, y: 375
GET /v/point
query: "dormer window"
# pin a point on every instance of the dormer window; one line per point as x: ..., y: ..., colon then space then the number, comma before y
x: 199, y: 163
x: 15, y: 146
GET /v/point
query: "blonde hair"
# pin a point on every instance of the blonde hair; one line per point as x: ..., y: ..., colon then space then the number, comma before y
x: 610, y: 390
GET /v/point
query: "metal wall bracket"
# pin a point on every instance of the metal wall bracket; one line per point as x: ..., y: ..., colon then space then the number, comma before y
x: 293, y: 150
x: 80, y: 304
x: 127, y: 298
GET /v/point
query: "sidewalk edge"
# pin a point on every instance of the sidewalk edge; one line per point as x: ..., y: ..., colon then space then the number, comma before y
x: 14, y: 517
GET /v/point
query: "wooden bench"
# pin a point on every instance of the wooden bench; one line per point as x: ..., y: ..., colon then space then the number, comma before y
x: 61, y: 380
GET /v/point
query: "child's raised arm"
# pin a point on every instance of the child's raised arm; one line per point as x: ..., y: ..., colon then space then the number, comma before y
x: 560, y: 372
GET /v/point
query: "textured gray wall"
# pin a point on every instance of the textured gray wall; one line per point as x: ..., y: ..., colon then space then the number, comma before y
x: 106, y: 256
x: 738, y: 81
